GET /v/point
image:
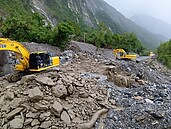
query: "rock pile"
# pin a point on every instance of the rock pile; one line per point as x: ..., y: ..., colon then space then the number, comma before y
x: 52, y: 100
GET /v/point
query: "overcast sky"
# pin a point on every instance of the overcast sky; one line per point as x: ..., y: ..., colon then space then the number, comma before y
x: 160, y: 9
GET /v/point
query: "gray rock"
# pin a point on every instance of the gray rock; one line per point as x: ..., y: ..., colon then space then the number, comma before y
x: 141, y: 82
x: 14, y: 112
x: 9, y: 95
x: 149, y: 101
x: 5, y: 126
x: 65, y: 117
x: 40, y: 106
x: 156, y: 114
x: 35, y: 127
x: 59, y: 91
x: 140, y: 118
x: 44, y: 116
x: 28, y: 121
x: 5, y: 108
x: 16, y: 123
x: 78, y: 84
x: 32, y: 115
x: 2, y: 99
x: 57, y: 108
x: 45, y: 81
x: 77, y: 120
x: 70, y: 89
x: 71, y: 113
x: 27, y: 78
x: 35, y: 122
x: 35, y: 94
x: 45, y: 124
x: 16, y: 102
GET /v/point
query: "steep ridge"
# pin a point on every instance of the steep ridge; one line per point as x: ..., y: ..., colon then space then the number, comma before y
x: 89, y: 12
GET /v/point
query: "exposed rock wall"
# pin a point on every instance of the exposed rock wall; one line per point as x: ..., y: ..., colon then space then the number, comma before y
x: 5, y: 66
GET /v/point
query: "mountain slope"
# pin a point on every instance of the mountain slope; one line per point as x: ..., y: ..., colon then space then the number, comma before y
x: 20, y: 7
x: 152, y: 24
x: 89, y: 12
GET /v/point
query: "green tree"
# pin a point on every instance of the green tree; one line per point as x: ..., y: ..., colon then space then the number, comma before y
x: 62, y: 34
x: 31, y: 28
x: 16, y: 28
x: 128, y: 42
x: 164, y: 53
x: 103, y: 37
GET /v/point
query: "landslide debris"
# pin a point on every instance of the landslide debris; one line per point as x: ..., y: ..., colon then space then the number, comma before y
x: 61, y: 98
x: 86, y: 85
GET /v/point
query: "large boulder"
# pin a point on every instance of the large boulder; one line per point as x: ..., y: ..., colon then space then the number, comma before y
x: 59, y: 91
x: 16, y: 123
x: 65, y: 117
x: 57, y: 108
x: 35, y: 94
x: 45, y: 81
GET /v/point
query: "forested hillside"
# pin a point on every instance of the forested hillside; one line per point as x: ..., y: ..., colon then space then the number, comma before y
x: 164, y: 53
x: 85, y: 13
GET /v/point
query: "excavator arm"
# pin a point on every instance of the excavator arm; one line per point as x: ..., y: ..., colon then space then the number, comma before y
x: 22, y: 54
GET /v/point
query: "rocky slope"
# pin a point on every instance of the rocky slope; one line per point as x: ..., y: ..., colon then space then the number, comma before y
x: 91, y: 12
x: 89, y: 89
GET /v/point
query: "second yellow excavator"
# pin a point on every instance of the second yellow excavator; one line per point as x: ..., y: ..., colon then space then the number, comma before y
x: 28, y: 62
x: 121, y: 54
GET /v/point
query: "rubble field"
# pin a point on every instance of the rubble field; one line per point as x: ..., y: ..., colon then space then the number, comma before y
x: 89, y: 90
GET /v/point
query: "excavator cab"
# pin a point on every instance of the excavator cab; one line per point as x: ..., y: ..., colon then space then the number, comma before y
x: 41, y: 60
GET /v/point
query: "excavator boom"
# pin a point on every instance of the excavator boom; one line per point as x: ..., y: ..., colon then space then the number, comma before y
x: 22, y: 54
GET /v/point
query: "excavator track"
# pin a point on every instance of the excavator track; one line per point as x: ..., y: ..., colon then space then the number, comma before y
x: 15, y: 76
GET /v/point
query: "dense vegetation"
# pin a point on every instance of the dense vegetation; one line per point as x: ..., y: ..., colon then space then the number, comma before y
x: 164, y: 53
x: 103, y: 37
x: 33, y: 28
x: 14, y: 7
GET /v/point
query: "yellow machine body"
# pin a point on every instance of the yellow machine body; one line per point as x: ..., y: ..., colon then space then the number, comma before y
x: 33, y: 62
x: 121, y: 54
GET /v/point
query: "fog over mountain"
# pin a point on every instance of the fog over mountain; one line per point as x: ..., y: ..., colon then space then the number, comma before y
x: 153, y: 25
x: 157, y: 8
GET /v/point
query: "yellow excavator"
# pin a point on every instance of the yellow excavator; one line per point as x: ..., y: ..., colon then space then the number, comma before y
x: 28, y: 62
x: 122, y: 55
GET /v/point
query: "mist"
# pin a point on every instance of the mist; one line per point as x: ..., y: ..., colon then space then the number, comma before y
x: 156, y: 8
